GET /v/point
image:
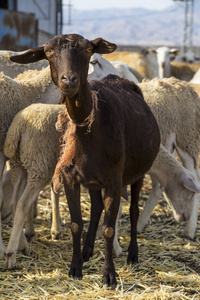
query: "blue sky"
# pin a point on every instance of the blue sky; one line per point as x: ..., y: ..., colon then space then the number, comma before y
x: 101, y: 4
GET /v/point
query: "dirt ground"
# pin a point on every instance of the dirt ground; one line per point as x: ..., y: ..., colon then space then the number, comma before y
x: 169, y: 265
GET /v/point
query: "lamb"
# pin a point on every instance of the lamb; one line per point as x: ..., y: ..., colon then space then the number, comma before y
x: 32, y: 166
x: 12, y: 69
x: 15, y: 95
x: 104, y: 150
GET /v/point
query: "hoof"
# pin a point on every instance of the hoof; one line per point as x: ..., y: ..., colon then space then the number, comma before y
x: 110, y: 281
x: 29, y: 237
x: 132, y: 260
x: 186, y: 235
x: 25, y: 251
x: 56, y: 236
x: 76, y: 273
x: 10, y: 260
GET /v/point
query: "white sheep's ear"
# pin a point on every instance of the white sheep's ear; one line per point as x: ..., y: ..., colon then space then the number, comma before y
x: 152, y: 51
x: 29, y: 56
x: 102, y: 46
x: 174, y: 51
x: 190, y: 183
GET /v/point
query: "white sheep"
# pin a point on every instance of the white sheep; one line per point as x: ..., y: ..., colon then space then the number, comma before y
x: 100, y: 67
x: 177, y: 183
x: 14, y: 96
x: 128, y: 72
x: 176, y: 107
x: 33, y: 160
x: 164, y: 56
x: 12, y: 69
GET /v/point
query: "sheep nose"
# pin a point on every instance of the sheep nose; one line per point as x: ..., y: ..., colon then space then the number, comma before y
x: 69, y: 80
x: 163, y: 65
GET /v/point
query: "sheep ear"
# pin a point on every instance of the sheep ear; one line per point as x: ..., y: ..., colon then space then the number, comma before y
x: 152, y: 51
x: 190, y: 183
x: 102, y: 46
x: 174, y: 51
x: 29, y: 56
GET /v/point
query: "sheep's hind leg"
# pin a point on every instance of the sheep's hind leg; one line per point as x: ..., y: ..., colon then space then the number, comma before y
x: 29, y: 228
x: 23, y: 205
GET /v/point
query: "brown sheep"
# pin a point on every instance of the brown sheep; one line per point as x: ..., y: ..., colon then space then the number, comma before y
x: 116, y: 139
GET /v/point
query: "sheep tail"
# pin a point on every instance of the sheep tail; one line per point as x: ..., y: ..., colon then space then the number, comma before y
x: 67, y: 143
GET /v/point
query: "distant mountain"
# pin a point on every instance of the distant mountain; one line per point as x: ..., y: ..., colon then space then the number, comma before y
x: 136, y: 26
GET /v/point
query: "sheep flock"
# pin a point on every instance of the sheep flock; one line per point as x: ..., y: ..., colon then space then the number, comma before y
x: 168, y: 251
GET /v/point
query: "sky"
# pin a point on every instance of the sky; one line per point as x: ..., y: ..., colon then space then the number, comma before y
x: 102, y: 4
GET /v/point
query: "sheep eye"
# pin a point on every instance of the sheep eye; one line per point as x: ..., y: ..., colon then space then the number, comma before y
x: 94, y: 62
x: 88, y: 50
x: 48, y: 51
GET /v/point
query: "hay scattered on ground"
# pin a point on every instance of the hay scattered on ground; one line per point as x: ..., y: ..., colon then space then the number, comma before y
x: 169, y: 265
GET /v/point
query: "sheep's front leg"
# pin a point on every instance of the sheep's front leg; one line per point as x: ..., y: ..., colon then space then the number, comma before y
x: 191, y: 225
x: 191, y: 163
x: 56, y: 219
x: 96, y: 210
x: 151, y: 202
x: 112, y: 201
x: 134, y: 213
x: 72, y: 191
x: 21, y: 212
